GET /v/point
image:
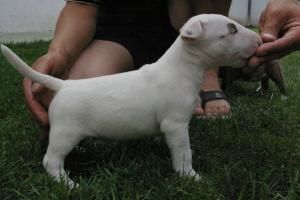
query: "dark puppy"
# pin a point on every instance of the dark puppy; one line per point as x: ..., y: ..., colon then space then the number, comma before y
x: 271, y: 70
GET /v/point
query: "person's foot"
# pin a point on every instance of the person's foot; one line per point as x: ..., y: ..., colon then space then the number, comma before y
x: 213, y: 104
x: 213, y: 100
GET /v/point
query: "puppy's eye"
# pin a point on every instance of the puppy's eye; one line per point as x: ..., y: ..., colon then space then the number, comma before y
x: 232, y: 28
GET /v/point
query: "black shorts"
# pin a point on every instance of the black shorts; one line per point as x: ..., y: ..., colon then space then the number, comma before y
x: 141, y: 26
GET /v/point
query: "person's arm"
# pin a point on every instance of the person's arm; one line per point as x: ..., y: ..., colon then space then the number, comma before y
x: 280, y: 31
x: 75, y: 28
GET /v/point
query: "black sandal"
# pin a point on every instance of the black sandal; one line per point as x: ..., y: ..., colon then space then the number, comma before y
x: 207, y: 96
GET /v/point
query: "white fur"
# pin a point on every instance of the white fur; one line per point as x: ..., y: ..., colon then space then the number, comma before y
x: 158, y: 98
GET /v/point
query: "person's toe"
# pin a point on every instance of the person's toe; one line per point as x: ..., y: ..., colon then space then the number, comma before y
x: 199, y: 111
x: 217, y: 108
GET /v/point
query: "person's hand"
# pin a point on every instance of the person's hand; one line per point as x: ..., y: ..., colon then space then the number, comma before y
x: 280, y: 31
x: 37, y: 97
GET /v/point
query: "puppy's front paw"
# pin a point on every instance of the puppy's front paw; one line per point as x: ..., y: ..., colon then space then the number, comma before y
x: 70, y: 183
x: 195, y: 175
x: 191, y: 174
x: 67, y: 182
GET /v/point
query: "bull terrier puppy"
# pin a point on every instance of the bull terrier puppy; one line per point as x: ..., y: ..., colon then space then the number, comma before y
x: 159, y: 98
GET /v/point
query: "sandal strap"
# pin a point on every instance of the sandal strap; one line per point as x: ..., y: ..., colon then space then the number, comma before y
x: 210, y: 96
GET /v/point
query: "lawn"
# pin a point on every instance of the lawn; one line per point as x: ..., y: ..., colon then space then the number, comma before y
x: 253, y: 155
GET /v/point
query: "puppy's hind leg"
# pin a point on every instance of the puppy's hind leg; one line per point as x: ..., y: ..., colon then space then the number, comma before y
x: 61, y: 142
x: 177, y: 138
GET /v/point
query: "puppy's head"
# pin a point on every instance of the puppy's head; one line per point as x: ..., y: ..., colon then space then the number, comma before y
x: 221, y: 40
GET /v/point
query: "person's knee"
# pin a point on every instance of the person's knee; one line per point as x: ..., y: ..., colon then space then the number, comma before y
x: 101, y: 58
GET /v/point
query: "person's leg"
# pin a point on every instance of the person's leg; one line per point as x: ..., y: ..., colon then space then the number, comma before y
x: 101, y: 58
x: 211, y: 81
x: 216, y: 107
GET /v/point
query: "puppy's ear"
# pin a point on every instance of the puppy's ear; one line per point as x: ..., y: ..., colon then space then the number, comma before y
x: 191, y: 31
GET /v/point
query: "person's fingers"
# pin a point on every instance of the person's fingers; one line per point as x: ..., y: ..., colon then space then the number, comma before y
x: 37, y: 110
x: 280, y: 46
x: 271, y: 22
x: 38, y: 97
x: 265, y: 37
x: 268, y: 37
x: 259, y: 60
x: 43, y: 66
x: 37, y: 88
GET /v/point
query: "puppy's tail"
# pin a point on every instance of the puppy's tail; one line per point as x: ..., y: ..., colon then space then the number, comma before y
x: 48, y: 81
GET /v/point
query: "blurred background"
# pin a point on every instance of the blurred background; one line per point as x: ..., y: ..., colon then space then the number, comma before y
x: 29, y: 20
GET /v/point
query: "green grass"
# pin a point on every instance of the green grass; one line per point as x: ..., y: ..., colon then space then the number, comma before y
x: 254, y: 155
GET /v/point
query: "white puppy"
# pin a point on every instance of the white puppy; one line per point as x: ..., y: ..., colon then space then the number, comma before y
x: 158, y: 98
